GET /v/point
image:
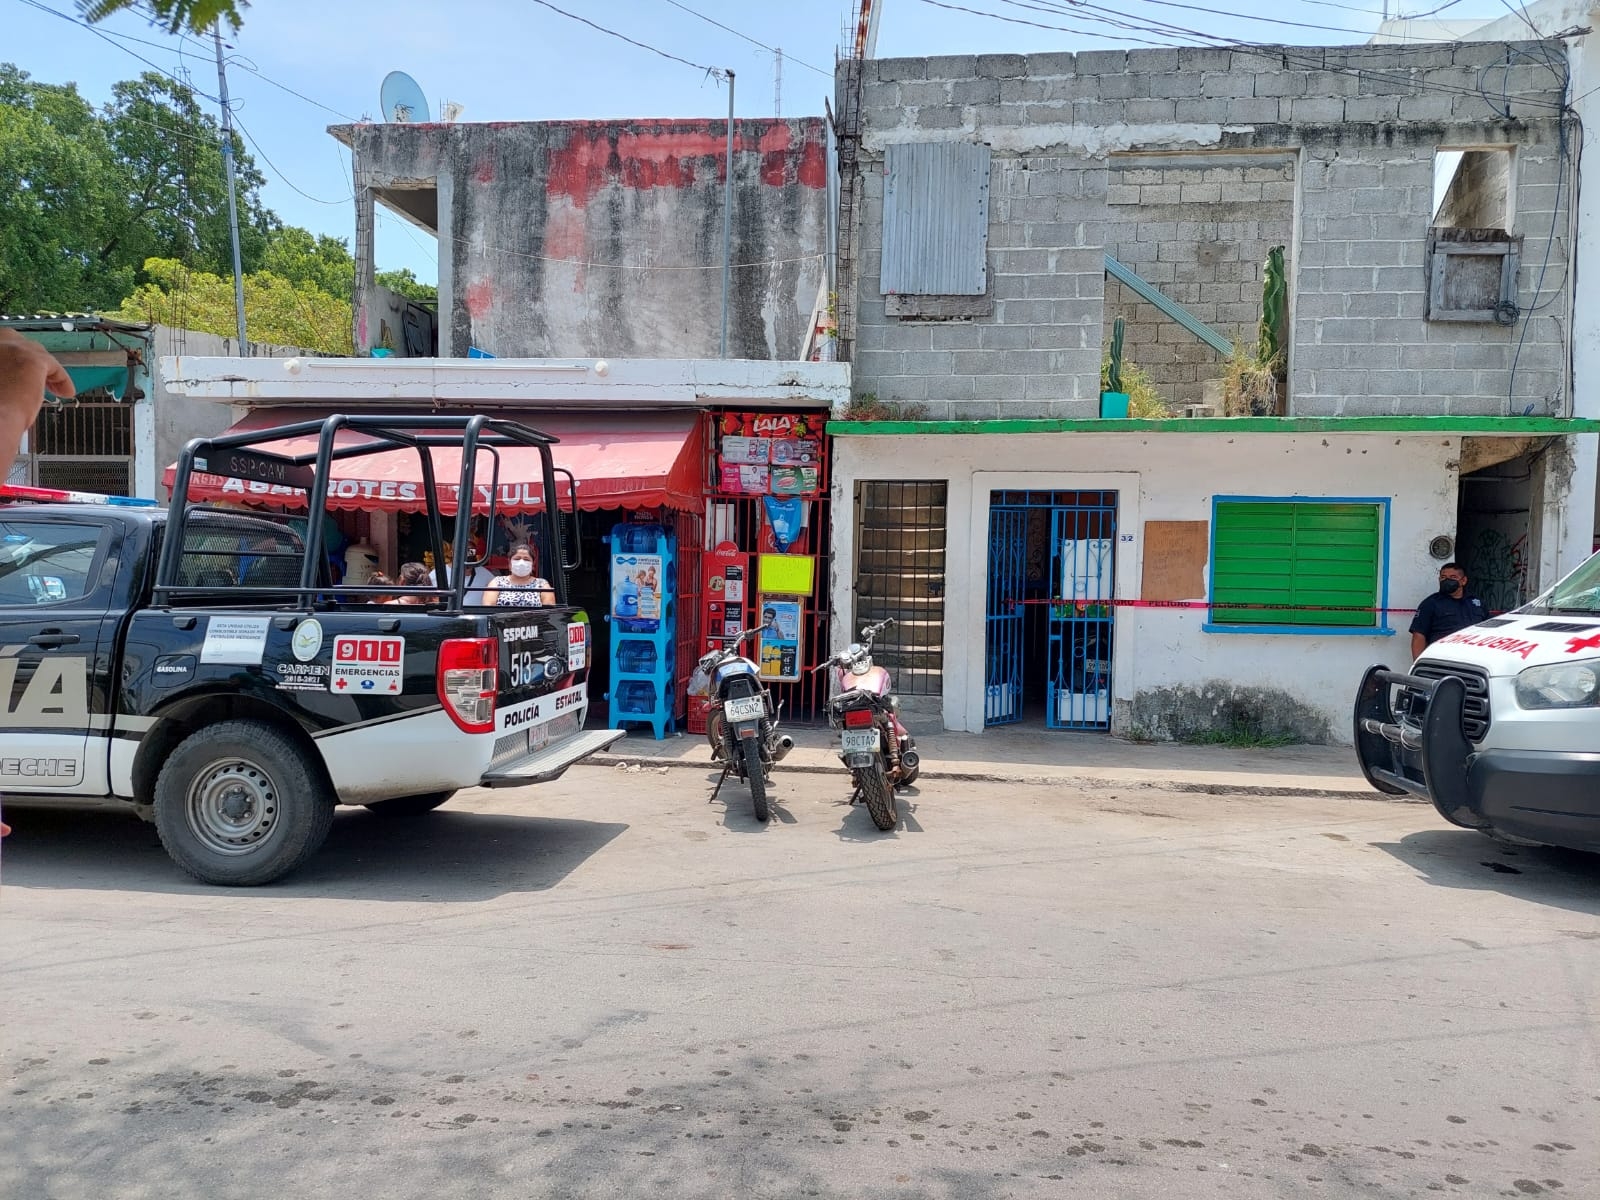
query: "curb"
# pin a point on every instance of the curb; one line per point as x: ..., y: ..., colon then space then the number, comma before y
x: 1083, y: 781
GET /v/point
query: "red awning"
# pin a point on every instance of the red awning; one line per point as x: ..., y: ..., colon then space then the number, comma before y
x: 643, y: 460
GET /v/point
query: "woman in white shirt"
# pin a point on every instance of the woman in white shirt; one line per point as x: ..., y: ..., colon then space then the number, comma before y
x: 522, y: 587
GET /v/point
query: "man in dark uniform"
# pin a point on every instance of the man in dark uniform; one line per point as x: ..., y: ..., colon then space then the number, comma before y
x: 1447, y: 610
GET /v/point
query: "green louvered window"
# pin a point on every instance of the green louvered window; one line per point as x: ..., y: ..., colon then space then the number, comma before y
x: 1319, y: 562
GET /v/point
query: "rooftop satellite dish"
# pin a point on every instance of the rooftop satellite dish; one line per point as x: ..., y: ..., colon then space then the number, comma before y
x: 402, y: 100
x: 449, y: 110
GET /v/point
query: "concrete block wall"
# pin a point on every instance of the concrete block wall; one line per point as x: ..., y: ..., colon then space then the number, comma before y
x: 1362, y: 124
x: 1198, y: 227
x: 605, y: 238
x: 1362, y: 346
x: 1040, y: 349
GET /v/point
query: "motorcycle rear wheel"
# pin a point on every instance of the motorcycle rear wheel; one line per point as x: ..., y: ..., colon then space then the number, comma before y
x: 879, y: 797
x: 756, y: 777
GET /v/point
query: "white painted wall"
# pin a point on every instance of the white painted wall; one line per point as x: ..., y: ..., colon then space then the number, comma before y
x: 1165, y: 477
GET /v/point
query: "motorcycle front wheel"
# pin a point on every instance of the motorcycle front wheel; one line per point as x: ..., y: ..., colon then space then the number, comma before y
x: 879, y: 797
x: 756, y: 776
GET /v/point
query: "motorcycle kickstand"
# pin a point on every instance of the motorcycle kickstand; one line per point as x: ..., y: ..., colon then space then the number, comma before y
x: 726, y: 771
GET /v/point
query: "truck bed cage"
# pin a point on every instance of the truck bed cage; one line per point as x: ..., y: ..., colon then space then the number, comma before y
x: 237, y: 456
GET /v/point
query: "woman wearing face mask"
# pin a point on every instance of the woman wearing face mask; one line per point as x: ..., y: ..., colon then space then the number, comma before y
x: 522, y: 587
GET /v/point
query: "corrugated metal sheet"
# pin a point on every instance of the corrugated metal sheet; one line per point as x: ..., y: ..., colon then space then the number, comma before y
x: 935, y: 219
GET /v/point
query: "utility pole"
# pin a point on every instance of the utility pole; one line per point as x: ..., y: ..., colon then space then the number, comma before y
x: 777, y: 81
x: 233, y: 207
x: 727, y: 223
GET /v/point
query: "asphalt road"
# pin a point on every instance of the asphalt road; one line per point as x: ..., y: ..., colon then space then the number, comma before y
x: 609, y: 987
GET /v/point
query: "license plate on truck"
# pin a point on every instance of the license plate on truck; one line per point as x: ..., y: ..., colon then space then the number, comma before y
x: 854, y: 741
x: 745, y: 708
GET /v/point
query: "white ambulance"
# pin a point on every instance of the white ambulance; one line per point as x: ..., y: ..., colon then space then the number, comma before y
x: 1499, y: 724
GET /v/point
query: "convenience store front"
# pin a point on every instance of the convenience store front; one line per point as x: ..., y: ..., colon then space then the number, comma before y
x: 727, y: 459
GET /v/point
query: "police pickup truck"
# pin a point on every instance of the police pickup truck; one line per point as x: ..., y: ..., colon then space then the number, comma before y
x: 198, y: 663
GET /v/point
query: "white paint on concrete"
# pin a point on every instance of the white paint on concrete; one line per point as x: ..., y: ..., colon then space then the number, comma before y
x: 1089, y: 141
x: 1165, y: 477
x: 555, y: 383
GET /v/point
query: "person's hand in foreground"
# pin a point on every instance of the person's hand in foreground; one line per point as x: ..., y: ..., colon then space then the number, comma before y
x: 27, y: 369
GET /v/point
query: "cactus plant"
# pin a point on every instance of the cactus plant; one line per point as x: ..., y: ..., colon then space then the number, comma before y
x: 1274, y: 313
x: 1114, y: 372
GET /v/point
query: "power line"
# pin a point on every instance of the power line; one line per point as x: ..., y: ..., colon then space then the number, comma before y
x: 1305, y: 57
x: 245, y: 64
x: 282, y: 178
x: 748, y: 38
x: 1266, y: 20
x: 1522, y: 11
x: 1040, y: 25
x: 1078, y: 9
x: 1085, y: 12
x: 109, y: 40
x: 631, y: 41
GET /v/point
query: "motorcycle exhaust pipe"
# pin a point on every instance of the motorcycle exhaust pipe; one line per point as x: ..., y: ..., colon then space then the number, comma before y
x: 785, y: 744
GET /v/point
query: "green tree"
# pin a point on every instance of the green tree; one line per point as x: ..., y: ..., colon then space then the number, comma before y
x: 300, y: 256
x: 276, y: 310
x: 55, y: 191
x: 407, y: 284
x: 197, y: 16
x: 168, y: 154
x: 86, y: 197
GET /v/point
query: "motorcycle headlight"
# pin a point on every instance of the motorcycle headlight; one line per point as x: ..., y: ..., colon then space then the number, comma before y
x: 1560, y: 685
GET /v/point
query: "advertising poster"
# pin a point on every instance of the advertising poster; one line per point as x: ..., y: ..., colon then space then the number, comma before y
x: 636, y: 592
x: 779, y: 644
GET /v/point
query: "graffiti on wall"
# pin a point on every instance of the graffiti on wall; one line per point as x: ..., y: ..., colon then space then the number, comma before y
x: 1498, y: 569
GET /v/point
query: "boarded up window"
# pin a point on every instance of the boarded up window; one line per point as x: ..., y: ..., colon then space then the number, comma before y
x: 1472, y: 258
x: 935, y: 219
x: 1472, y: 275
x: 1293, y: 563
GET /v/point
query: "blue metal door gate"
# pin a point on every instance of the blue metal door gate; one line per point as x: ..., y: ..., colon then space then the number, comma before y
x: 1054, y: 548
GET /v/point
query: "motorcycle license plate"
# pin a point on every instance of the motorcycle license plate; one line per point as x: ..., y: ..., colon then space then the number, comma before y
x: 745, y: 708
x: 854, y: 741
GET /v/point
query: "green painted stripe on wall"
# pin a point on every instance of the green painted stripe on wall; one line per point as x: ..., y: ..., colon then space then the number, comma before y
x: 1488, y: 426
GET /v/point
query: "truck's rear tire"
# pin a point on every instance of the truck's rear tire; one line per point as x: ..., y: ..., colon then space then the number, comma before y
x: 239, y: 804
x: 409, y: 806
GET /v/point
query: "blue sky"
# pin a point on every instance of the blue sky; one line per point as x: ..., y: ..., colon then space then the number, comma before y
x: 510, y: 60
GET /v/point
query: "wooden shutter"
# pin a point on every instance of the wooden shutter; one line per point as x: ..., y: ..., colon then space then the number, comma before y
x: 1300, y: 555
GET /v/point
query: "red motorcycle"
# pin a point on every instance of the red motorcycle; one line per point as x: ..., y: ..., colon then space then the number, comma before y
x: 878, y: 749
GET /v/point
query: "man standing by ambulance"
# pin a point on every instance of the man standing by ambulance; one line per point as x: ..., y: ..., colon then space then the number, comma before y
x: 1446, y: 611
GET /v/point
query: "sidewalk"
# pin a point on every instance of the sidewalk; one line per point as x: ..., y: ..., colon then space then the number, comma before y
x: 1038, y: 756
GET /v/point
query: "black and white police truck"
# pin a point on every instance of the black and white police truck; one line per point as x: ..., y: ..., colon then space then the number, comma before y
x: 199, y: 664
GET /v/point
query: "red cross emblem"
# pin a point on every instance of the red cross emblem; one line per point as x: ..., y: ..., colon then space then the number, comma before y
x: 341, y: 685
x: 1592, y: 642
